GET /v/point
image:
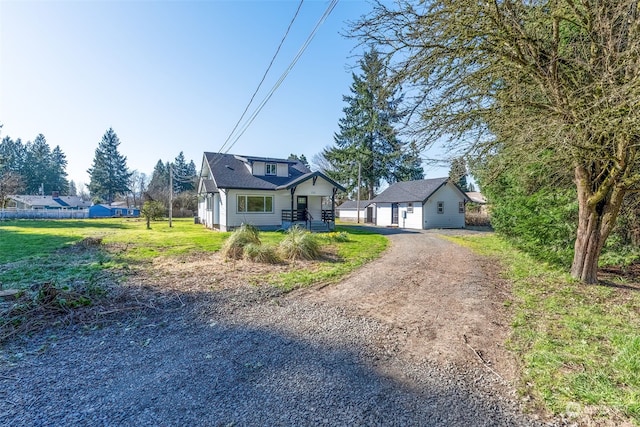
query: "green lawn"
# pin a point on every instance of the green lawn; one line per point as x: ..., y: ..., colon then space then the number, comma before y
x: 579, y: 345
x: 33, y: 252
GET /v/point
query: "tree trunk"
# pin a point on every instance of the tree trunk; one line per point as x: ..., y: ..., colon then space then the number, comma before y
x: 597, y: 213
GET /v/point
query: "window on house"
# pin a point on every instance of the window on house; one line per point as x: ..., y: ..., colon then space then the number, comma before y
x: 461, y: 207
x: 409, y: 207
x: 271, y: 169
x: 440, y: 207
x: 255, y: 204
x: 208, y: 202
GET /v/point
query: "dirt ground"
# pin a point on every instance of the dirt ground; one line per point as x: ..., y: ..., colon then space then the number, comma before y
x: 448, y: 302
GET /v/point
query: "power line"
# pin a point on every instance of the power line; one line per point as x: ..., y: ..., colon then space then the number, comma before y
x: 322, y: 19
x: 264, y: 76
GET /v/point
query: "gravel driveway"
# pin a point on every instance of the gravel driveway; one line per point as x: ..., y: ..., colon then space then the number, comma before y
x: 414, y: 338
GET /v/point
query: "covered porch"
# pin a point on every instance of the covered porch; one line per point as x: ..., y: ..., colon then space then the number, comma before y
x: 312, y: 203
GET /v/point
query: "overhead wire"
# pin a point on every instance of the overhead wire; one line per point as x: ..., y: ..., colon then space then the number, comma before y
x: 264, y: 76
x: 322, y: 19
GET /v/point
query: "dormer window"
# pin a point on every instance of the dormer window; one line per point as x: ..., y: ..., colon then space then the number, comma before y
x: 271, y: 169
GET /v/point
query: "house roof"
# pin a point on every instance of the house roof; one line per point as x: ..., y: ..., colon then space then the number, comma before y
x: 476, y: 197
x: 232, y: 171
x: 353, y: 204
x: 412, y: 191
x: 309, y: 176
x: 208, y: 186
x: 50, y: 201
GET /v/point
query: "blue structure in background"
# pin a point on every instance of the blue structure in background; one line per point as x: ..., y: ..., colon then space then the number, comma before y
x: 107, y: 211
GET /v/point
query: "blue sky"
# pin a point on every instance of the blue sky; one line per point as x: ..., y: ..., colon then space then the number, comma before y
x: 171, y: 76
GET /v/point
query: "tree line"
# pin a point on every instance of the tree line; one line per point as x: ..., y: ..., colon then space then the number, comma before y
x: 34, y: 168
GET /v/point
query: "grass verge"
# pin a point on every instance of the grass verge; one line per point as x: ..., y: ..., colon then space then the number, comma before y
x: 78, y: 262
x: 579, y: 345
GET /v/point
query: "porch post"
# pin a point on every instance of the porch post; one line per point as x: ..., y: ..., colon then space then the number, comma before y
x: 333, y: 205
x: 293, y: 191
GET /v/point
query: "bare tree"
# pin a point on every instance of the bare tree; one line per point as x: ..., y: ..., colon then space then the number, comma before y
x: 558, y: 77
x: 10, y: 183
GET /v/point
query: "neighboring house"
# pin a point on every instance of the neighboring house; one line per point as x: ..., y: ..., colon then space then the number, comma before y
x: 47, y: 202
x: 348, y: 211
x: 421, y: 204
x: 265, y: 192
x: 110, y: 211
x: 476, y: 197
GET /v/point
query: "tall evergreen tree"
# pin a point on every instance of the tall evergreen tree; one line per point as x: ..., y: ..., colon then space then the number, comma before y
x: 57, y: 171
x: 458, y: 173
x: 302, y: 158
x: 367, y: 135
x: 109, y: 173
x: 184, y: 174
x: 409, y: 165
x: 158, y: 188
x: 36, y: 173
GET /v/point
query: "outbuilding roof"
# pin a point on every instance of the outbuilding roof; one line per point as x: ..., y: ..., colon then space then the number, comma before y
x: 353, y: 204
x: 412, y: 191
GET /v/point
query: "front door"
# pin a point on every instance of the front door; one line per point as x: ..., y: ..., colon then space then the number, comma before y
x: 394, y: 213
x: 301, y: 207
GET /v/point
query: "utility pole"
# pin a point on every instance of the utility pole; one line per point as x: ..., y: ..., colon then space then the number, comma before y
x: 170, y: 194
x: 358, y: 199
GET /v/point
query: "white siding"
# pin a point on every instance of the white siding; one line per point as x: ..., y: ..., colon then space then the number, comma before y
x: 281, y: 200
x: 314, y: 195
x: 451, y: 217
x: 260, y: 168
x: 408, y: 219
x: 383, y: 214
x: 283, y: 169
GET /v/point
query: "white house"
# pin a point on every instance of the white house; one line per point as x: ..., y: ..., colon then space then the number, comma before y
x: 348, y: 211
x: 266, y: 192
x: 421, y: 204
x: 54, y: 201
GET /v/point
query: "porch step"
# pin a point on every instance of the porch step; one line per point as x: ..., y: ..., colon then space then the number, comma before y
x: 318, y: 226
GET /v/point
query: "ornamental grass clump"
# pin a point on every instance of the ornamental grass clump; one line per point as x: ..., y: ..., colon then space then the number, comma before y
x: 299, y: 243
x: 234, y: 246
x: 261, y: 253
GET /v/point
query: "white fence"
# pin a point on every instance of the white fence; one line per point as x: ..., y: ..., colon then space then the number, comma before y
x: 6, y: 214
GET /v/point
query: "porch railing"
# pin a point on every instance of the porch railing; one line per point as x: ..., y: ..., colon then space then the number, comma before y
x: 293, y: 216
x: 299, y: 215
x: 327, y: 215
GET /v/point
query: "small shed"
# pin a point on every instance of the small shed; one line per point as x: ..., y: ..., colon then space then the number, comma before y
x: 421, y: 204
x: 348, y: 211
x: 110, y: 211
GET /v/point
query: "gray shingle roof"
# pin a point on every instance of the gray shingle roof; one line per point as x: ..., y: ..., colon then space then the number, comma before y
x: 231, y: 171
x: 209, y: 186
x: 410, y: 191
x: 353, y: 204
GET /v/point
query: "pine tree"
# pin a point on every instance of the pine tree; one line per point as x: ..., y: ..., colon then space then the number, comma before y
x: 409, y: 165
x: 458, y: 173
x: 158, y: 188
x: 57, y: 171
x: 367, y: 135
x: 184, y: 174
x: 109, y: 173
x: 302, y: 158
